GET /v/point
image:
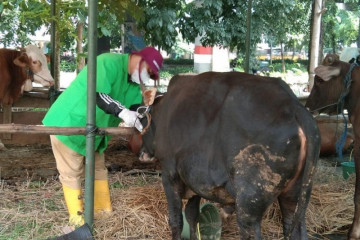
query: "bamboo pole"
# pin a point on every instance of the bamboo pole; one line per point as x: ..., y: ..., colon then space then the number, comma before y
x: 91, y: 114
x: 41, y: 129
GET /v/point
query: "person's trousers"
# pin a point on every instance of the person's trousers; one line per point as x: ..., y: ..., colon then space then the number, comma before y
x: 71, y: 165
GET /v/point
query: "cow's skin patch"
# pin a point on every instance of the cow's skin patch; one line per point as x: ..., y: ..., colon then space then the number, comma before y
x: 256, y: 157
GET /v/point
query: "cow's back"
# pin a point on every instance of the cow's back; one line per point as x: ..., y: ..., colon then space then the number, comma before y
x: 216, y: 104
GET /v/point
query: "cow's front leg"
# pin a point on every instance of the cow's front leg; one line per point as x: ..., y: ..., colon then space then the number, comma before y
x: 192, y: 214
x: 354, y: 232
x: 174, y: 189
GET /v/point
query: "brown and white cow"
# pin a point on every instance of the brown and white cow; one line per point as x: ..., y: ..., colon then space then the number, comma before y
x: 238, y: 139
x: 337, y: 87
x: 18, y: 66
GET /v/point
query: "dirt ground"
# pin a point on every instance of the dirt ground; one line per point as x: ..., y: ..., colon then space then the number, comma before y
x: 36, y: 162
x: 21, y: 163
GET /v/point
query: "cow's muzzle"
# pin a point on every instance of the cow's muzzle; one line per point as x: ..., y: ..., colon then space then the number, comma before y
x: 146, y: 158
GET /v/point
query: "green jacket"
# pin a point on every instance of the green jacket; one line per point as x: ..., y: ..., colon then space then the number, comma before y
x: 69, y: 110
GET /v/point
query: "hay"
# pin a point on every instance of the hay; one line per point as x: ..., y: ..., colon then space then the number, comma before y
x: 140, y: 209
x: 140, y: 212
x: 331, y: 205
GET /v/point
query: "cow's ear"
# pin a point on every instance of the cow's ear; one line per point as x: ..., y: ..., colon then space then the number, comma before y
x: 327, y: 72
x: 22, y: 60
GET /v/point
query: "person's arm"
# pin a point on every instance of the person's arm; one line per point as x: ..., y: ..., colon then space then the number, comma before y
x: 108, y: 104
x: 114, y: 107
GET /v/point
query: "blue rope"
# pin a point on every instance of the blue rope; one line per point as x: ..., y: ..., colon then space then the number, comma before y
x: 340, y: 143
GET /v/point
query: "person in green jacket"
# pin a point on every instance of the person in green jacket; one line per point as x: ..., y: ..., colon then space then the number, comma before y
x: 118, y: 80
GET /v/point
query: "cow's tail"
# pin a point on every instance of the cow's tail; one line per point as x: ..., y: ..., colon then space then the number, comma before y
x: 312, y: 135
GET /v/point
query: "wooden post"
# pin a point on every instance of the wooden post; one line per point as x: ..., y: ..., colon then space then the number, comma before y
x: 41, y: 129
x: 7, y: 118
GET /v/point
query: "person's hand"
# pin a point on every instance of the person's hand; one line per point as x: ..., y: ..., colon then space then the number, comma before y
x: 131, y: 119
x: 149, y: 96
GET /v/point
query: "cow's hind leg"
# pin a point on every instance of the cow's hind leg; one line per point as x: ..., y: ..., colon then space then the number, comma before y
x: 288, y: 202
x: 251, y: 203
x: 256, y: 187
x: 174, y: 189
x: 248, y: 219
x: 192, y: 214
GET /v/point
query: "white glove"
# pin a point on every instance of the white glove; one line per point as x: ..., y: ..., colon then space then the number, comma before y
x: 131, y: 119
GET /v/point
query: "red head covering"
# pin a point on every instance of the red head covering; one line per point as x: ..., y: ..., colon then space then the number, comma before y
x: 153, y: 58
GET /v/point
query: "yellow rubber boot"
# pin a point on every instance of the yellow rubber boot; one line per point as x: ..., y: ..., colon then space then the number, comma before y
x: 74, y: 204
x: 102, y: 203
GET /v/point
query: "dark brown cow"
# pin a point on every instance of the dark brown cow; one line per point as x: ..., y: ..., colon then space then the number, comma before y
x: 337, y: 87
x: 18, y: 66
x: 242, y: 140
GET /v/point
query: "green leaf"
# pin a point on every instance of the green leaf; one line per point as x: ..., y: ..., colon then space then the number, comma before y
x: 105, y: 31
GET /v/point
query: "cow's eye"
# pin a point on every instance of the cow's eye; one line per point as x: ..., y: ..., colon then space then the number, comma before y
x: 35, y: 62
x: 318, y: 80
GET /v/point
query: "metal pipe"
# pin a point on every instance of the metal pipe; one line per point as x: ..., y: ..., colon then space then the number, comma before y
x: 91, y: 120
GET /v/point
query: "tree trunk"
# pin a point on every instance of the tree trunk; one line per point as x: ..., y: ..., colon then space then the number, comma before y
x: 358, y: 37
x: 57, y: 61
x: 122, y: 38
x: 79, y: 48
x: 311, y: 33
x: 57, y: 49
x: 293, y: 52
x: 315, y: 39
x: 282, y: 57
x: 248, y: 37
x: 321, y: 44
x: 270, y: 52
x: 333, y: 42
